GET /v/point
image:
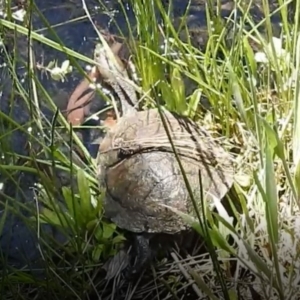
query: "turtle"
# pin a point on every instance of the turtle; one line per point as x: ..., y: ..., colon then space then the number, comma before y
x: 143, y: 182
x: 143, y: 179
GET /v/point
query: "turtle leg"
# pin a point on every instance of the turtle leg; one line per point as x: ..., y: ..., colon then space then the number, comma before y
x: 143, y: 255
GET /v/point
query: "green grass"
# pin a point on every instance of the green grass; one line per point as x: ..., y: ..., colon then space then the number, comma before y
x: 249, y: 106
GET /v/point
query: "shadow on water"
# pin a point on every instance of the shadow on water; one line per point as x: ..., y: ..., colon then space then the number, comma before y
x: 18, y: 242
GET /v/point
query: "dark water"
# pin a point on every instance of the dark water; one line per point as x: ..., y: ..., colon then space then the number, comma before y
x: 19, y: 243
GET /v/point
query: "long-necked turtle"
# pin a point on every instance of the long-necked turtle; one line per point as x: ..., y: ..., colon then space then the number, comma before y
x: 142, y: 176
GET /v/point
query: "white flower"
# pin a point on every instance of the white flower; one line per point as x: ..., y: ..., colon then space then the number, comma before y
x: 19, y: 15
x: 278, y: 60
x: 261, y: 57
x: 268, y: 56
x: 59, y: 73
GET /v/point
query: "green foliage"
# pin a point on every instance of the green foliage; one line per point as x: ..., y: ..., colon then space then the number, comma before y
x: 246, y: 96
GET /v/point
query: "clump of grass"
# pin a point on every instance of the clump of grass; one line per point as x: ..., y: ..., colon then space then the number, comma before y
x: 247, y: 97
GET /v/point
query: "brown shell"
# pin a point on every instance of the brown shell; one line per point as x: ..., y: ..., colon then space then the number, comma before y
x: 140, y: 171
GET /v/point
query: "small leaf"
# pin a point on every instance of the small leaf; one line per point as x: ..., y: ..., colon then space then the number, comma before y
x: 179, y: 91
x: 194, y: 102
x: 96, y: 254
x: 69, y: 200
x: 118, y: 239
x: 98, y: 233
x: 270, y: 134
x: 219, y: 241
x: 86, y: 206
x: 108, y: 230
x: 91, y: 225
x: 50, y: 217
x: 271, y: 193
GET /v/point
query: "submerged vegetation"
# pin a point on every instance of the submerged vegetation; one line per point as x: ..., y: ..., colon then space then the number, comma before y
x: 236, y: 76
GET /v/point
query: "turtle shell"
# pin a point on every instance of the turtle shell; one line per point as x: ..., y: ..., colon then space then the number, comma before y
x: 142, y: 177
